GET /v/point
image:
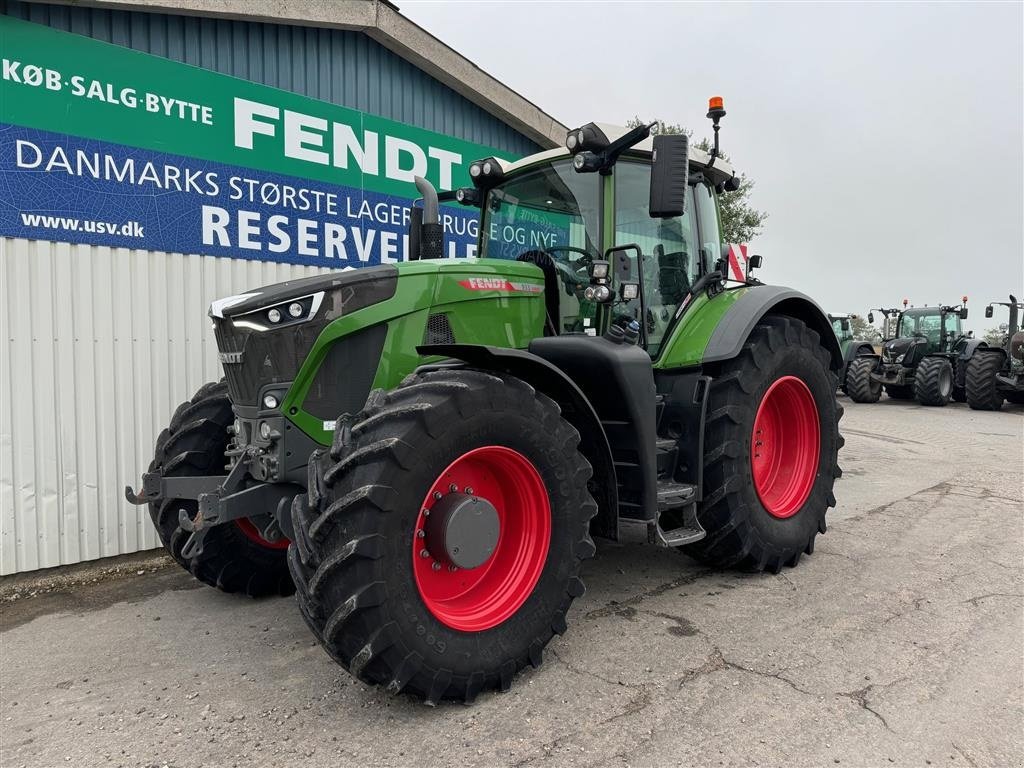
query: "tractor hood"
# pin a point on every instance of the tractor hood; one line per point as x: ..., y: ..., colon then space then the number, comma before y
x: 265, y: 335
x: 894, y: 349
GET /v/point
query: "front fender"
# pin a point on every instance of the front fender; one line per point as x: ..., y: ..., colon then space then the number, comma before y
x: 734, y: 329
x: 576, y: 409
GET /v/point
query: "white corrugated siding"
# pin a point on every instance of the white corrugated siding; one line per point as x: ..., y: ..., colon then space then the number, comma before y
x: 100, y: 346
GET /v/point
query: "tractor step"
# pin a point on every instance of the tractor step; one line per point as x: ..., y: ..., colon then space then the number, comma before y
x: 681, y: 500
x: 672, y: 495
x: 677, y: 537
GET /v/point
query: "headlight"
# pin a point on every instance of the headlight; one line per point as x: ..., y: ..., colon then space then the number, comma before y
x: 269, y: 401
x: 900, y: 358
x: 290, y: 312
x: 264, y: 430
x: 598, y: 293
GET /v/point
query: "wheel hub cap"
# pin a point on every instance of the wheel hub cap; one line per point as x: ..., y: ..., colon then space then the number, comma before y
x: 462, y: 530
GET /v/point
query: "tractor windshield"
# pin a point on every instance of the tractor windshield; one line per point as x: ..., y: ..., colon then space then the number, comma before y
x: 928, y: 323
x: 553, y: 210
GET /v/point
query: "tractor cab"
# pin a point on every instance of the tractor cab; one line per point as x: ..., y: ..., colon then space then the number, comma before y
x: 623, y: 225
x: 937, y: 327
x: 841, y: 328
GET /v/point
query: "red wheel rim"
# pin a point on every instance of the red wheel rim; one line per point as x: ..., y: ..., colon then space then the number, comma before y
x: 253, y: 534
x: 476, y: 599
x: 785, y: 446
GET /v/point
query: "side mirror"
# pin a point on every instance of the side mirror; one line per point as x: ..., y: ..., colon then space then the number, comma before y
x: 988, y: 311
x: 844, y: 324
x: 963, y: 313
x: 871, y: 317
x: 670, y: 164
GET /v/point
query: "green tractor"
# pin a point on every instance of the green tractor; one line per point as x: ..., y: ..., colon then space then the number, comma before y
x: 923, y: 361
x: 850, y: 346
x: 423, y: 451
x: 996, y: 373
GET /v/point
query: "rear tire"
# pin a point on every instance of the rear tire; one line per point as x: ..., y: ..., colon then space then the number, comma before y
x: 899, y: 392
x: 859, y: 385
x: 982, y: 390
x: 933, y: 381
x: 374, y: 605
x: 741, y: 531
x: 234, y: 557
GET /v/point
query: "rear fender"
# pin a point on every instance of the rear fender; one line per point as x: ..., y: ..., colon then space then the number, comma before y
x: 576, y: 409
x: 858, y: 350
x: 734, y: 329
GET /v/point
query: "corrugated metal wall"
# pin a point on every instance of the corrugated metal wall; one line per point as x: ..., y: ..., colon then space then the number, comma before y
x: 334, y: 65
x: 100, y: 345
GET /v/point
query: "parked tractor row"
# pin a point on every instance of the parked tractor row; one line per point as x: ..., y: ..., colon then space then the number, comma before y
x: 925, y: 356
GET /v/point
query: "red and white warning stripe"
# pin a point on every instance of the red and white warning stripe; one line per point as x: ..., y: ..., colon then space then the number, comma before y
x: 738, y: 261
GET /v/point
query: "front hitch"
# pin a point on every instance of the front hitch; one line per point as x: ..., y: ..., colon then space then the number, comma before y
x: 220, y: 499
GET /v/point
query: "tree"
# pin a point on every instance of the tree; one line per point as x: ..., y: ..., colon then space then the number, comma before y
x: 741, y: 222
x: 995, y: 337
x: 862, y: 330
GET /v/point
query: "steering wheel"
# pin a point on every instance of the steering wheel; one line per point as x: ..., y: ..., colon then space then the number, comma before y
x: 574, y: 274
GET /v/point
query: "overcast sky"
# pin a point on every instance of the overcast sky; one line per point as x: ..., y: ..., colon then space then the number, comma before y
x: 885, y: 139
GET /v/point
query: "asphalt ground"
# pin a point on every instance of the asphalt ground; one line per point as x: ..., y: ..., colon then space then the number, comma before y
x: 899, y: 641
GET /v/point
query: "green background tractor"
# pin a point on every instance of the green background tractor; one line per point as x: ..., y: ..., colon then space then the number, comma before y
x: 922, y: 361
x: 423, y: 451
x: 993, y: 373
x: 851, y: 347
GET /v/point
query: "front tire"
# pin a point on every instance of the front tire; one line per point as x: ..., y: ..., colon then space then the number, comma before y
x: 375, y: 575
x: 235, y: 558
x: 771, y: 450
x: 933, y: 381
x: 982, y: 391
x: 859, y: 385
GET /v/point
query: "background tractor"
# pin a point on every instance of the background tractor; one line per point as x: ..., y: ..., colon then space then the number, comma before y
x: 423, y: 451
x: 850, y: 346
x: 992, y: 373
x: 923, y: 360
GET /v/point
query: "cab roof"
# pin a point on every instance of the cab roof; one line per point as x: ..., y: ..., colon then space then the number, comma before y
x: 699, y: 159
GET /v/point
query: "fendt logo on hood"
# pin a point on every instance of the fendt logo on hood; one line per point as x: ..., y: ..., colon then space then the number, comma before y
x: 499, y: 284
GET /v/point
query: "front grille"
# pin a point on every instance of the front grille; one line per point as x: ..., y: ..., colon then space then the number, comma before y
x: 253, y: 359
x: 439, y: 331
x: 268, y: 357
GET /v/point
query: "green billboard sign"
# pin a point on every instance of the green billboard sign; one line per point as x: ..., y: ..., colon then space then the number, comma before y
x: 226, y: 154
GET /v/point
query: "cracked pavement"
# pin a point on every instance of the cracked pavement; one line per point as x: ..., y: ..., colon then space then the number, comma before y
x: 898, y: 642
